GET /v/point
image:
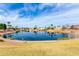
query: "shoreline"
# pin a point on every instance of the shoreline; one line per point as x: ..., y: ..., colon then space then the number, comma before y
x: 20, y: 41
x: 12, y: 42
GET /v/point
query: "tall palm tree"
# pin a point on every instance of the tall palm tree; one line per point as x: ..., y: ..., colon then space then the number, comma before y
x: 9, y: 24
x: 51, y: 26
x: 35, y: 27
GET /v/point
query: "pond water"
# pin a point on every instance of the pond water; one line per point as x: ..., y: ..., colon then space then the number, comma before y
x: 35, y: 36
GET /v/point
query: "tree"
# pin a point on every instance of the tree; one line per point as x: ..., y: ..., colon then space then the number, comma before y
x: 9, y: 24
x: 51, y: 26
x: 72, y: 27
x: 35, y: 27
x: 3, y: 26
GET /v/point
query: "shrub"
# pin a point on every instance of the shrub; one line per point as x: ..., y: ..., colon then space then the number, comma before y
x: 63, y: 39
x: 1, y: 40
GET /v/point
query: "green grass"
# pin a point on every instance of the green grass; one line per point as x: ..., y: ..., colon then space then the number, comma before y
x: 63, y: 39
x: 58, y: 48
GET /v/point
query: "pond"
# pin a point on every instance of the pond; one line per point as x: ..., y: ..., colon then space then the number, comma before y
x: 35, y: 36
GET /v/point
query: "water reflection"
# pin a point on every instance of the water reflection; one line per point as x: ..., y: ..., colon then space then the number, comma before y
x: 35, y: 36
x: 35, y: 32
x: 51, y: 34
x: 7, y: 35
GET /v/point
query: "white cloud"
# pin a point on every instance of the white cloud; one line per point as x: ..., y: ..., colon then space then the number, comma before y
x: 69, y: 17
x: 68, y: 14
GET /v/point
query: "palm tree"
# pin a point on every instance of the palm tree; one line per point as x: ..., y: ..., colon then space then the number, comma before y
x: 72, y: 27
x: 51, y: 26
x: 9, y: 24
x: 35, y: 27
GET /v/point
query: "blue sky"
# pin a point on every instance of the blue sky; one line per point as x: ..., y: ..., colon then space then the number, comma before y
x: 40, y: 14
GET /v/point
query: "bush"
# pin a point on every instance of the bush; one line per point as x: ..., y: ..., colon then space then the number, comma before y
x: 1, y: 40
x: 63, y: 39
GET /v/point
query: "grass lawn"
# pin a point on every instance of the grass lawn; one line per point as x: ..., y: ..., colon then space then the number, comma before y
x: 59, y: 48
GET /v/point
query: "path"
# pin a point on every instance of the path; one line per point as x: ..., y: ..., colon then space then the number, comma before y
x: 12, y: 42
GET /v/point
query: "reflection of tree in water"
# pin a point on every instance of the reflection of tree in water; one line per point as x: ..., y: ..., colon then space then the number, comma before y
x: 51, y: 34
x: 35, y: 32
x: 7, y: 35
x: 4, y: 36
x: 57, y: 35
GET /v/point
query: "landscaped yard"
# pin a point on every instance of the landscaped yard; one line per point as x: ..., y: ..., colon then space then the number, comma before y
x: 57, y: 48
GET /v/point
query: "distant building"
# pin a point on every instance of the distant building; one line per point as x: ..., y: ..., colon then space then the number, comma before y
x: 74, y: 27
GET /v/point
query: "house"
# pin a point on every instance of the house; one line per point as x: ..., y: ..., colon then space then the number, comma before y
x: 74, y: 27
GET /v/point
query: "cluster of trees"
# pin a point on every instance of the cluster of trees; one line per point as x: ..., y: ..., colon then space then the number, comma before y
x: 3, y: 26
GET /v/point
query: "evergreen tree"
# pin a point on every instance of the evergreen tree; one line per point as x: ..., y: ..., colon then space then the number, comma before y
x: 3, y: 26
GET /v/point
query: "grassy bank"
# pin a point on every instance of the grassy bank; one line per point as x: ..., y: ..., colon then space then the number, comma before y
x: 58, y: 48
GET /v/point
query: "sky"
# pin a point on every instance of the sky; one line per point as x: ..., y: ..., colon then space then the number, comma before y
x: 39, y: 14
